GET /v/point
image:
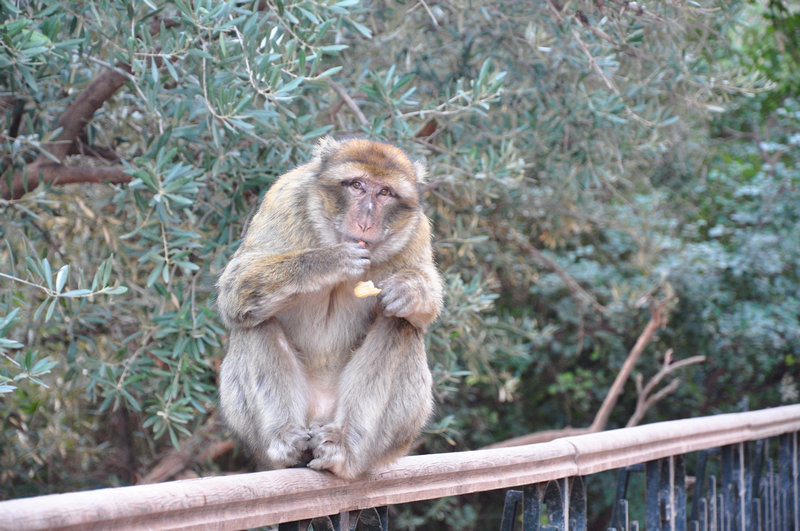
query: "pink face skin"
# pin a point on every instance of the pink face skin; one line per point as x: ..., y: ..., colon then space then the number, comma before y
x: 369, y: 200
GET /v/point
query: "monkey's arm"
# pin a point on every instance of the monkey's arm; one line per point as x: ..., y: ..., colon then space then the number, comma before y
x: 257, y: 285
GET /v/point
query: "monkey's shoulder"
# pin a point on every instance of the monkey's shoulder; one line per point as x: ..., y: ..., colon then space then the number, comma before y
x: 281, y: 219
x: 294, y: 182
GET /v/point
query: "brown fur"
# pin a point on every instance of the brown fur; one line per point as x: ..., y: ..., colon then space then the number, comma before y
x: 311, y: 370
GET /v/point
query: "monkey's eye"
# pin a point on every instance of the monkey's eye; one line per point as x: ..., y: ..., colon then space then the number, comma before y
x: 385, y: 192
x: 357, y: 185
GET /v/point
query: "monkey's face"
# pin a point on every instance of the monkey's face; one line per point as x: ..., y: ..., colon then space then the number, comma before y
x: 369, y: 203
x: 369, y: 191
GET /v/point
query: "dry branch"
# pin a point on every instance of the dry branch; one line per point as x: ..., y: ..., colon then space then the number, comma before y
x: 71, y: 124
x: 571, y: 283
x: 60, y: 174
x: 646, y: 398
x: 574, y: 288
x: 82, y: 147
x: 190, y: 453
x: 658, y: 319
x: 540, y: 437
x: 339, y: 89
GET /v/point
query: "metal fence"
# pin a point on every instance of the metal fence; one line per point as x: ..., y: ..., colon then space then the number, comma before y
x: 756, y: 489
x: 742, y: 475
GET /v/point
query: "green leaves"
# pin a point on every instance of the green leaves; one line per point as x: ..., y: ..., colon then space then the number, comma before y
x: 24, y: 365
x: 735, y: 265
x: 577, y: 137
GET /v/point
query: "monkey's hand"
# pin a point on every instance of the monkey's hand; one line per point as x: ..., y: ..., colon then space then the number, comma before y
x: 327, y: 445
x: 287, y: 448
x: 409, y: 295
x: 349, y: 259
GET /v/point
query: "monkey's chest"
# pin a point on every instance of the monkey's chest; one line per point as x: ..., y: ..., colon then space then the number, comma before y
x: 326, y: 327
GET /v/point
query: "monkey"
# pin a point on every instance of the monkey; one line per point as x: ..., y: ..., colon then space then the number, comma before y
x: 313, y: 375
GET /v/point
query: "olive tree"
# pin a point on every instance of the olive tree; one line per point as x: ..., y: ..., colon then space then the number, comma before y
x: 138, y: 136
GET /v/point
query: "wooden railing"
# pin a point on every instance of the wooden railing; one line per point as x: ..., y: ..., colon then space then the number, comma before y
x: 265, y: 498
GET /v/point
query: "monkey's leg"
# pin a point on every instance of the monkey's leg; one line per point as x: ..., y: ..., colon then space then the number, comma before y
x: 384, y: 399
x: 264, y: 395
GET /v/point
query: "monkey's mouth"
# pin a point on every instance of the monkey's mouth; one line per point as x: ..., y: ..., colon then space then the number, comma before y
x: 364, y: 243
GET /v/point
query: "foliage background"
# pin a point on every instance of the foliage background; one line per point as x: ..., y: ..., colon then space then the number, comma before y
x: 587, y: 159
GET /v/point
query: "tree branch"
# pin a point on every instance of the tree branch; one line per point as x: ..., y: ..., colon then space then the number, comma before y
x: 646, y: 399
x: 540, y: 437
x: 177, y: 460
x: 71, y: 122
x: 60, y: 174
x: 81, y: 146
x: 15, y: 107
x: 339, y: 89
x: 78, y: 114
x: 575, y: 289
x: 556, y: 9
x: 53, y: 173
x: 658, y: 319
x: 572, y: 284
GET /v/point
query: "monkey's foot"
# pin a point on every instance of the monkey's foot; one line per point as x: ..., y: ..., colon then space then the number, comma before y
x: 327, y: 445
x: 287, y: 448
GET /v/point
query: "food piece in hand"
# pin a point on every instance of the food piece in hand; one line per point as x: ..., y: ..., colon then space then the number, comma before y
x: 365, y: 289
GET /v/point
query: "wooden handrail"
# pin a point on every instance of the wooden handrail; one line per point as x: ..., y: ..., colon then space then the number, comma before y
x: 264, y: 498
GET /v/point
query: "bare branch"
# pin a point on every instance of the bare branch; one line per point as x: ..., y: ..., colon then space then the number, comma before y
x: 658, y: 319
x: 71, y: 124
x: 556, y: 9
x: 177, y: 460
x: 50, y: 172
x: 646, y: 399
x: 82, y: 147
x: 78, y: 114
x: 571, y: 283
x: 427, y: 9
x: 540, y: 437
x: 575, y: 289
x: 339, y: 89
x: 610, y: 84
x: 644, y: 405
x: 597, y: 31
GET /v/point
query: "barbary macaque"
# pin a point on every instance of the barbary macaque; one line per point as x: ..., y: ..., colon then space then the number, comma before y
x: 314, y: 374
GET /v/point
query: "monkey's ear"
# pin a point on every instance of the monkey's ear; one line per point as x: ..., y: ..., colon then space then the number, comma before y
x: 325, y: 148
x: 421, y: 171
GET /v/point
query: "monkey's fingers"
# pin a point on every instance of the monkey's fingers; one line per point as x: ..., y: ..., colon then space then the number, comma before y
x: 365, y: 289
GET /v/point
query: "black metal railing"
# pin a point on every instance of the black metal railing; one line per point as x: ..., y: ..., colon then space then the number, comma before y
x: 757, y: 489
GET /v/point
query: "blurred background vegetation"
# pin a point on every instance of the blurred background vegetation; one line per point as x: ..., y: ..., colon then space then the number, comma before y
x: 592, y: 163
